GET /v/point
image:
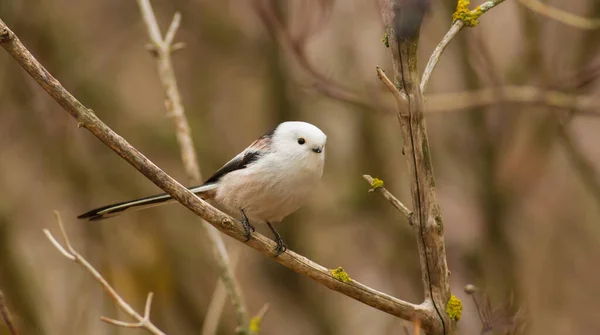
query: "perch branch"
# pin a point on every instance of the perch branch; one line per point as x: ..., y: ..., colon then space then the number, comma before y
x: 390, y: 197
x: 6, y: 316
x: 175, y: 109
x: 226, y: 224
x: 142, y: 321
x: 462, y: 17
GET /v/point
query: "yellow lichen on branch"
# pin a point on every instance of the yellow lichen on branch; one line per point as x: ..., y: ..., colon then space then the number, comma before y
x: 340, y: 275
x: 377, y: 183
x: 471, y: 17
x: 454, y: 308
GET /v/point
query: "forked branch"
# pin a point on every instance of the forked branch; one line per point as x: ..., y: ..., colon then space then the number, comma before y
x: 70, y: 253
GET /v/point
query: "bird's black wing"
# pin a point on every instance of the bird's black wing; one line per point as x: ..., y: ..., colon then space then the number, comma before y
x: 251, y: 154
x: 239, y: 162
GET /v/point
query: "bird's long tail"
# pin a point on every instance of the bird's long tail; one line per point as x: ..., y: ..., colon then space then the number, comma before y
x: 139, y: 204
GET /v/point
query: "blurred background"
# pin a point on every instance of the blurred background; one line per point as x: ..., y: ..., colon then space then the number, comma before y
x: 516, y: 178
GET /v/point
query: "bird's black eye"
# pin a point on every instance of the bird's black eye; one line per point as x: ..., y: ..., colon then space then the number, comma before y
x: 301, y: 141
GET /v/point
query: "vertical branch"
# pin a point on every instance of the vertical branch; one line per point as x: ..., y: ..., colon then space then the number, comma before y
x: 162, y: 48
x: 403, y: 21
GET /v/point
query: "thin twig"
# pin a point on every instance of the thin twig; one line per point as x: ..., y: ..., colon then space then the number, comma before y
x: 176, y: 110
x: 226, y: 224
x: 390, y: 197
x: 456, y: 27
x: 585, y: 105
x: 258, y: 318
x: 6, y: 316
x: 217, y: 301
x: 463, y: 18
x: 561, y: 15
x: 69, y: 252
x: 399, y: 96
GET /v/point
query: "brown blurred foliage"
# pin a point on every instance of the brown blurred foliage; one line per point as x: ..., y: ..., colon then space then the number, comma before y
x: 517, y: 183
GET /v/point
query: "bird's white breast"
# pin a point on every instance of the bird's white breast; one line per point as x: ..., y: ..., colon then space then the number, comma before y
x: 271, y: 188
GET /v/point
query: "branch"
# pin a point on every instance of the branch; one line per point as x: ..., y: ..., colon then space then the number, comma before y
x: 6, y: 316
x: 219, y: 220
x: 389, y: 196
x: 217, y: 301
x: 175, y: 109
x: 443, y: 102
x: 462, y: 17
x: 561, y: 15
x: 70, y: 253
x: 298, y: 50
x: 403, y: 38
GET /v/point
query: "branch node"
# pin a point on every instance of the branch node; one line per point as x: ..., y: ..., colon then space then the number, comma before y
x: 5, y: 35
x: 152, y: 49
x: 122, y: 323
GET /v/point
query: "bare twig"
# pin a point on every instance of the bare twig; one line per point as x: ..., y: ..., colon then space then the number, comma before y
x: 6, y: 316
x: 139, y: 324
x: 462, y: 17
x: 390, y: 197
x: 561, y: 15
x: 142, y: 321
x: 456, y: 27
x: 587, y: 105
x: 297, y: 48
x: 258, y: 318
x: 175, y: 109
x: 226, y: 224
x: 399, y: 96
x: 217, y: 301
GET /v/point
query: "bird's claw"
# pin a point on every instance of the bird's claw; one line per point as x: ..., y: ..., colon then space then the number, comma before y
x: 248, y: 228
x: 281, y: 247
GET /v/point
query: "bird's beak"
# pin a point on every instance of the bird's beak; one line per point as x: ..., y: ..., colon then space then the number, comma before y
x: 317, y: 149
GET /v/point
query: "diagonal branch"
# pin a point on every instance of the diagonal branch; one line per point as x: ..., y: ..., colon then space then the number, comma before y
x: 298, y: 263
x: 389, y: 196
x: 70, y: 252
x: 462, y: 17
x: 175, y: 109
x: 584, y: 105
x: 6, y: 316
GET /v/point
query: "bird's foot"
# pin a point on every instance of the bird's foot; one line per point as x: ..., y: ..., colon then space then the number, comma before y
x: 281, y: 246
x: 248, y: 228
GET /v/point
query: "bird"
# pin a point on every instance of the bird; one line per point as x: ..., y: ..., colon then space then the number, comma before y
x: 269, y: 180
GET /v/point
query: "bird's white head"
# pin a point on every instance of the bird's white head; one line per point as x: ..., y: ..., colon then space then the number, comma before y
x: 300, y: 139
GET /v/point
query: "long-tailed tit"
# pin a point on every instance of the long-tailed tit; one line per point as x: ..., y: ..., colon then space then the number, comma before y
x: 266, y: 182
